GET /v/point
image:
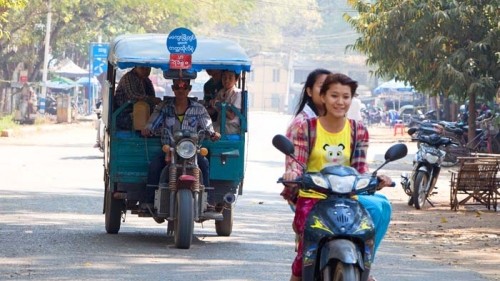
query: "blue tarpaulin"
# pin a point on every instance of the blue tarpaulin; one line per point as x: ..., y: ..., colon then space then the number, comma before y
x: 393, y: 87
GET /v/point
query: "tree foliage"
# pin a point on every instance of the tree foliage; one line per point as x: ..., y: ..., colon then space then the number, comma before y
x: 7, y: 6
x: 444, y: 46
x: 276, y: 26
x: 77, y: 23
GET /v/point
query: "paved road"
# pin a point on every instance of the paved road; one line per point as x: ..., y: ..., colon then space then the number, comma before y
x: 51, y: 226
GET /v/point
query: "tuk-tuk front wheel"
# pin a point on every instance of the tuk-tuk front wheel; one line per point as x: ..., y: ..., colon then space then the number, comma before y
x: 225, y: 226
x: 113, y: 213
x: 184, y: 219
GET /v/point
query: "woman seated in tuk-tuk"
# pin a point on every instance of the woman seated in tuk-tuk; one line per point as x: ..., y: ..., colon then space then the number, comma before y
x: 231, y: 95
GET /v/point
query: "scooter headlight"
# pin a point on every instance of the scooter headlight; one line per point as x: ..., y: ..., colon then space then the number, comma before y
x: 362, y: 183
x: 341, y: 184
x: 186, y: 149
x: 319, y: 181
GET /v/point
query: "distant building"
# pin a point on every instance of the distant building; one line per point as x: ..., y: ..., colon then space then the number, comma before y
x: 276, y: 81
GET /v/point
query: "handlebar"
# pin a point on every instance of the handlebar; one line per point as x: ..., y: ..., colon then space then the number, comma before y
x: 298, y: 180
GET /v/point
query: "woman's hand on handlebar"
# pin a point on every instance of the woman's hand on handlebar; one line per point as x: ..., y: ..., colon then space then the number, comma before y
x: 290, y: 176
x: 384, y: 181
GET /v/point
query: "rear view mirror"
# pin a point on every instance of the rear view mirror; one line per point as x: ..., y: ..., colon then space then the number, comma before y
x: 283, y: 144
x: 396, y: 152
x: 412, y: 131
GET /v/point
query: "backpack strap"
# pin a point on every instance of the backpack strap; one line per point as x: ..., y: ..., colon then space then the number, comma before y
x: 311, y: 122
x: 354, y: 127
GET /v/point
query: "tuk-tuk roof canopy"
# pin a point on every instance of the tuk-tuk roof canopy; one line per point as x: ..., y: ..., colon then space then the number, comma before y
x: 131, y: 50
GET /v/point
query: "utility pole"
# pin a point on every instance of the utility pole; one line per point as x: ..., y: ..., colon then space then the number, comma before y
x: 46, y: 57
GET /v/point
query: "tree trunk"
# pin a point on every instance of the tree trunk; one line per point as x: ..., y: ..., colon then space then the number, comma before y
x: 8, y: 101
x: 472, y: 118
x: 2, y: 101
x: 453, y: 111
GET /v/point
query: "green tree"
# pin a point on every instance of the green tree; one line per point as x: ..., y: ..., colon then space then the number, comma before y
x: 7, y: 6
x: 77, y: 23
x: 445, y: 46
x: 274, y: 26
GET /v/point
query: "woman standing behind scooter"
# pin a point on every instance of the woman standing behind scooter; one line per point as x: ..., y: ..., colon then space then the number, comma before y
x: 311, y: 136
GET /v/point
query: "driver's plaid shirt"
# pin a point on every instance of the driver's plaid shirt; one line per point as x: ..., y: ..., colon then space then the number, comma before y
x: 164, y: 120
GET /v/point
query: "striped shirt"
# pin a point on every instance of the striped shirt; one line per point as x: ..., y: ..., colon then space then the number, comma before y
x: 164, y: 118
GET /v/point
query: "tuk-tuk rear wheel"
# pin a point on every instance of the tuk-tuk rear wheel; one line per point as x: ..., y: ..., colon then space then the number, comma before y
x: 225, y: 226
x: 113, y: 216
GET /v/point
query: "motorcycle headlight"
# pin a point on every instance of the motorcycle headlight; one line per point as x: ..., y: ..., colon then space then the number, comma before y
x: 319, y: 181
x: 431, y: 158
x: 186, y: 149
x: 362, y: 183
x: 341, y: 184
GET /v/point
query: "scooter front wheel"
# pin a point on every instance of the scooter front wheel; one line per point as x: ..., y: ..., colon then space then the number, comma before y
x: 342, y: 272
x: 419, y: 191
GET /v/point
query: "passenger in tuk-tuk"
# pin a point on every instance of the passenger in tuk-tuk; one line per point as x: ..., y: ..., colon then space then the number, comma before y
x: 232, y: 95
x: 135, y: 85
x: 179, y: 113
x: 210, y: 90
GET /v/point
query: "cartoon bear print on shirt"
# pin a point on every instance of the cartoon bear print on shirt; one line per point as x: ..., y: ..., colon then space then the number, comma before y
x: 334, y: 154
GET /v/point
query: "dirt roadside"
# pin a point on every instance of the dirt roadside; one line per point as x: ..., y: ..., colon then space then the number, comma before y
x: 469, y: 238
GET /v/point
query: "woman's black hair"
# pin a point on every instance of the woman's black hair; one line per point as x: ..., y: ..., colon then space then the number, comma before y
x: 305, y: 98
x: 237, y: 75
x: 339, y: 78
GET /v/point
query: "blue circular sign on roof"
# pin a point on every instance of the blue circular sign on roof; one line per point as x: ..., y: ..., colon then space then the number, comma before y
x: 181, y: 41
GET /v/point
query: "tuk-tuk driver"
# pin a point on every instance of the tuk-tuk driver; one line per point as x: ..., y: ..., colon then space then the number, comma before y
x: 179, y: 113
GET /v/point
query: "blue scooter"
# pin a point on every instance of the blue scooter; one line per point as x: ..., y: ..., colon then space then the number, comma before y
x: 339, y: 233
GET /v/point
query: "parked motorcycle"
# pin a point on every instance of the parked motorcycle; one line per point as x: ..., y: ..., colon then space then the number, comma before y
x: 339, y: 233
x: 371, y: 115
x: 99, y: 126
x: 50, y: 105
x: 421, y: 185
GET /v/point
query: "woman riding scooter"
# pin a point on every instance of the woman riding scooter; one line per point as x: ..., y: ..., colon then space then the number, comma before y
x: 333, y: 129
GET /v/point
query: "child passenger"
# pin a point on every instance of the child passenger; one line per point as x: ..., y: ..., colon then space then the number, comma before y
x: 232, y: 95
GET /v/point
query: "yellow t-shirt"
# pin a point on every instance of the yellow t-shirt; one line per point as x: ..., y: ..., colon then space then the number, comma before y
x: 329, y: 149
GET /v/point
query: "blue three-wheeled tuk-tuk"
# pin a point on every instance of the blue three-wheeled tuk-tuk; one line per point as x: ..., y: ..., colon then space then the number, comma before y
x: 127, y: 154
